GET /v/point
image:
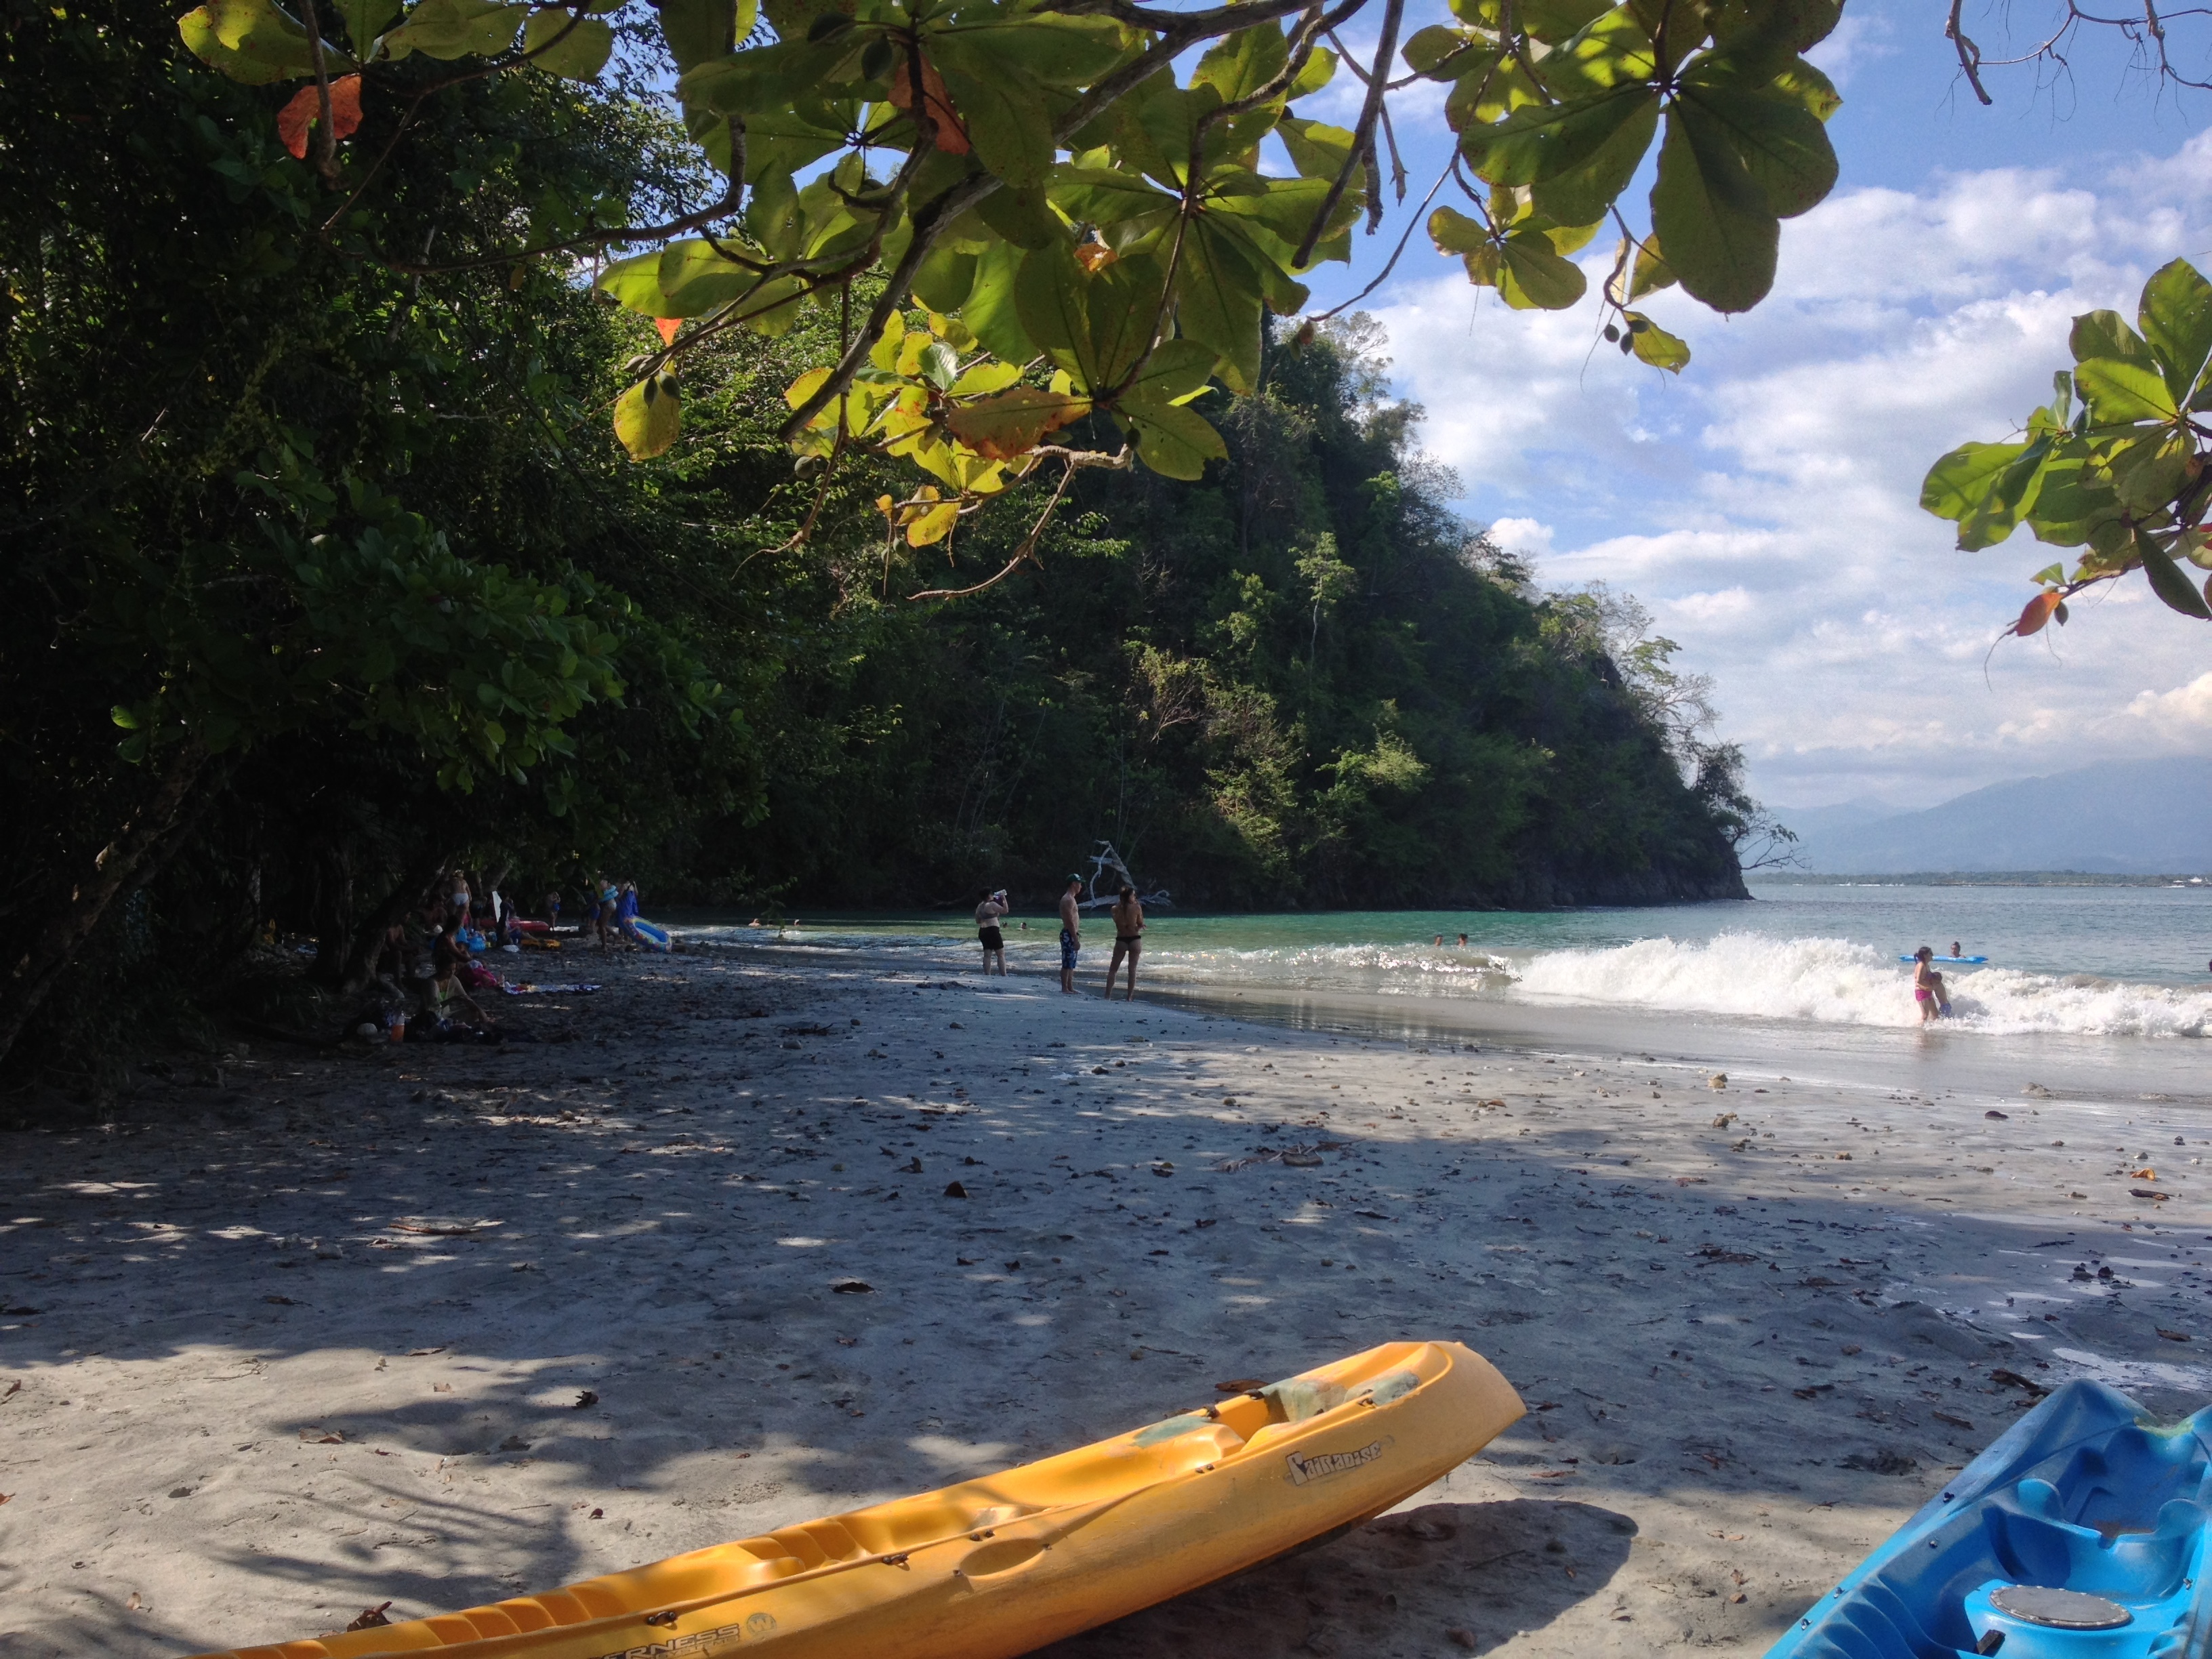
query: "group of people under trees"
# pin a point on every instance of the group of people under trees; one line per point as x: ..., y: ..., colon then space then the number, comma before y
x: 430, y: 965
x: 1128, y: 934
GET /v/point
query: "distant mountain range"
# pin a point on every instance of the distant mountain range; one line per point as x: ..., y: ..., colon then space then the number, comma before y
x: 2119, y: 817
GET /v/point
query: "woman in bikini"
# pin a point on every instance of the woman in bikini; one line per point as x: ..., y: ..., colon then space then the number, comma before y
x: 1928, y: 987
x: 1128, y: 939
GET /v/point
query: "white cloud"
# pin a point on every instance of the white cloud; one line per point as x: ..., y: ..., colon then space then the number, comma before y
x: 1765, y: 503
x: 1528, y: 537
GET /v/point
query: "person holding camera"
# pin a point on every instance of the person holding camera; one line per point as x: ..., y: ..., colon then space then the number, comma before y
x: 993, y: 906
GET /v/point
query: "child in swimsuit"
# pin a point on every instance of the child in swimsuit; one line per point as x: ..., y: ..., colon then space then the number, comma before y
x: 1928, y: 987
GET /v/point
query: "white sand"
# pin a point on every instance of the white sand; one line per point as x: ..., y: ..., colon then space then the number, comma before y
x: 249, y: 1403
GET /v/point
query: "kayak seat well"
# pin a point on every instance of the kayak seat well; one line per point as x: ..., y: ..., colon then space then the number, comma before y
x: 2035, y: 1544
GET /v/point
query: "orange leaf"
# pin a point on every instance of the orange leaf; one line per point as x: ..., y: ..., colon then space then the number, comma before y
x: 1013, y: 423
x: 668, y: 325
x: 297, y: 118
x: 2036, y: 612
x: 937, y: 101
x: 1094, y: 257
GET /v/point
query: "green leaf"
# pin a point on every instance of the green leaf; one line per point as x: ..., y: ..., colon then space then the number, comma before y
x: 1546, y: 140
x: 1585, y: 192
x: 252, y: 41
x: 1958, y: 484
x: 1554, y: 21
x: 1004, y: 107
x: 1490, y: 89
x: 2167, y: 581
x: 1452, y: 232
x: 1654, y: 345
x: 1611, y: 51
x: 1175, y: 370
x: 945, y: 279
x: 700, y: 31
x: 1793, y: 26
x: 446, y: 29
x: 1023, y: 215
x: 2120, y: 393
x: 648, y: 415
x: 1536, y: 278
x: 2176, y: 317
x: 365, y: 20
x: 762, y: 80
x: 2147, y: 474
x: 1049, y: 299
x: 1435, y: 51
x: 1037, y: 46
x: 993, y: 312
x: 1172, y: 439
x: 1240, y: 65
x: 1720, y: 235
x: 1318, y: 150
x: 1218, y: 301
x: 1108, y: 196
x: 940, y: 365
x: 1783, y: 145
x: 1803, y: 83
x: 573, y: 48
x: 2106, y: 334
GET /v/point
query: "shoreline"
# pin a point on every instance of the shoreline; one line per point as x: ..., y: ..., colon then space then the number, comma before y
x: 431, y: 1253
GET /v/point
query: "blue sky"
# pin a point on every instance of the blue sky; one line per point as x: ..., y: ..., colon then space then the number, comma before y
x: 1764, y: 505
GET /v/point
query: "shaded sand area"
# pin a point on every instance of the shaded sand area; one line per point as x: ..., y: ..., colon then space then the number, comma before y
x: 436, y: 1325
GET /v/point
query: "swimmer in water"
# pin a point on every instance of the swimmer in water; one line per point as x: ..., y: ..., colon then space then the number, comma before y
x: 1928, y: 987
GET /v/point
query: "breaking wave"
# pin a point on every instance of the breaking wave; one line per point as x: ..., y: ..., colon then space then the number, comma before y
x: 1748, y: 976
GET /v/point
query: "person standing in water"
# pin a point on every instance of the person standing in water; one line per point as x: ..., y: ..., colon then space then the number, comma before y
x: 1928, y: 987
x: 1071, y: 934
x: 1128, y: 939
x: 987, y: 913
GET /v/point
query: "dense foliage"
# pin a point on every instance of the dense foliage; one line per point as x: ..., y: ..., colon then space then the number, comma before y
x: 1300, y: 681
x: 324, y: 574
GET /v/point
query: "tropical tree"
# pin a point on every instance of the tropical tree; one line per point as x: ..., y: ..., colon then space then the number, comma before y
x: 2118, y: 465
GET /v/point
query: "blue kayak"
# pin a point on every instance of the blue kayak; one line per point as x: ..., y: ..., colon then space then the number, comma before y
x: 1969, y: 961
x: 2082, y: 1530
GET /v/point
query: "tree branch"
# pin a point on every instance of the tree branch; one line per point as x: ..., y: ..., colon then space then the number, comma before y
x: 1363, y: 137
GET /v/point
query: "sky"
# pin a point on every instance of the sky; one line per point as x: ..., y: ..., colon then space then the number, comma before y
x: 1764, y: 505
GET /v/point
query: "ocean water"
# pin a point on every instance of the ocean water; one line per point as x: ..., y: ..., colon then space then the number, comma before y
x: 2108, y: 986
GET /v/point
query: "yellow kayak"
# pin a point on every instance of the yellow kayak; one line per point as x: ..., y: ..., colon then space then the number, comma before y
x: 992, y: 1568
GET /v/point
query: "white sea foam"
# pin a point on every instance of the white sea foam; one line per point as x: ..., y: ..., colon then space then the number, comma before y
x: 1751, y: 976
x: 1837, y: 982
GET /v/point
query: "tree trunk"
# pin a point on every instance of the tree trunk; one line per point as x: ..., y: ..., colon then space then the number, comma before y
x: 146, y: 838
x: 367, y: 935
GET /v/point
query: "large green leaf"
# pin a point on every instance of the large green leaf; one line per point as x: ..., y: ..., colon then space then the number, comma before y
x: 2120, y: 393
x: 1039, y: 46
x: 1489, y: 90
x: 2176, y: 317
x: 1240, y: 65
x: 1721, y: 237
x: 1783, y: 145
x: 2148, y: 474
x: 365, y: 20
x: 573, y: 48
x: 1318, y: 150
x: 1439, y: 52
x: 648, y: 416
x: 1218, y: 301
x: 1546, y: 140
x: 1050, y: 300
x: 763, y: 79
x: 2072, y: 501
x: 699, y: 31
x: 946, y: 277
x: 2106, y: 334
x: 1611, y: 51
x: 1585, y: 191
x: 1554, y: 21
x: 1452, y: 232
x: 1109, y: 196
x: 1793, y: 26
x: 1004, y: 107
x: 993, y: 311
x: 253, y: 41
x: 1534, y: 277
x: 1172, y: 439
x: 1958, y: 484
x: 2167, y: 581
x: 1177, y: 368
x: 446, y: 29
x: 1654, y: 345
x: 1024, y: 216
x: 1124, y: 305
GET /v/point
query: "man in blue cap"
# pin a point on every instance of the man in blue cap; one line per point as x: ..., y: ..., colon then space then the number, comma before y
x: 1071, y: 934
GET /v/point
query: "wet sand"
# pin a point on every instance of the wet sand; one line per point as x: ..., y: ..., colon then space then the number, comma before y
x: 310, y: 1335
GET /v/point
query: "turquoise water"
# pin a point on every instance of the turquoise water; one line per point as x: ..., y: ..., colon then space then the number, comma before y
x: 2101, y: 961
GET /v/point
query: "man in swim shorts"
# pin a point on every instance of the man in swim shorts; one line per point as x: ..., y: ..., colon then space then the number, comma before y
x: 987, y: 913
x: 1128, y: 939
x: 1071, y: 934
